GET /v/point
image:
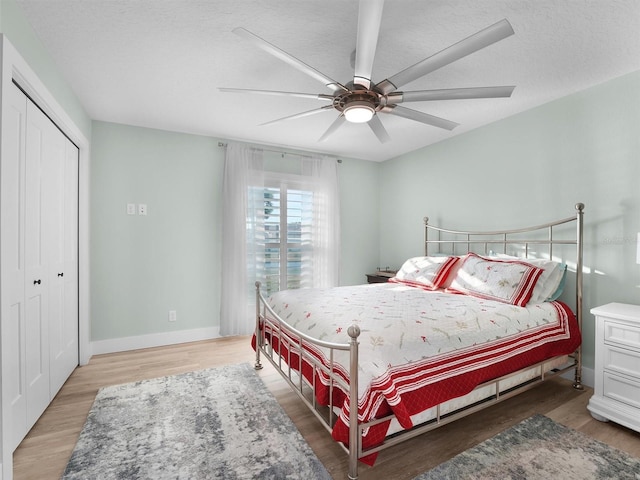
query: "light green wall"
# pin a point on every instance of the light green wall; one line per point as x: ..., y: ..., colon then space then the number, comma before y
x: 359, y: 204
x: 529, y: 169
x: 14, y: 25
x: 142, y: 267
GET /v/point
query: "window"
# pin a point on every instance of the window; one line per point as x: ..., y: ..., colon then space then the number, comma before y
x: 279, y: 229
x: 288, y: 217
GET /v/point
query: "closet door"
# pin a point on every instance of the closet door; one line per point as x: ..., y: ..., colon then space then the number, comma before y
x: 63, y: 265
x: 38, y: 264
x: 12, y: 280
x: 40, y: 141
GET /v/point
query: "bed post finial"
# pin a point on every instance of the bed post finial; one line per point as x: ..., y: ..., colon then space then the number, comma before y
x: 579, y: 206
x: 426, y: 220
x: 354, y: 331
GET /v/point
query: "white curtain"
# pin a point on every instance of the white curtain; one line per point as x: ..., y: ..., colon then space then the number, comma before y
x: 241, y: 238
x: 325, y: 235
x: 243, y: 232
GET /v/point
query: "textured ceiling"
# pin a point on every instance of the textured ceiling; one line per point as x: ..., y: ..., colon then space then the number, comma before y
x: 159, y: 63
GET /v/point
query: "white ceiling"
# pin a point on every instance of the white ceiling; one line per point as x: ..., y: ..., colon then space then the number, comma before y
x: 159, y: 63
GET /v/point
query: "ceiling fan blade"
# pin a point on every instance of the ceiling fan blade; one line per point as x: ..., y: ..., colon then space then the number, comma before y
x: 378, y: 129
x: 299, y: 115
x: 421, y: 117
x: 450, y: 94
x: 469, y: 45
x: 318, y: 96
x: 337, y: 123
x: 369, y: 18
x: 288, y: 58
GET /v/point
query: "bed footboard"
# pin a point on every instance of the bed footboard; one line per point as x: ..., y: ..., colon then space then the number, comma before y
x: 285, y: 348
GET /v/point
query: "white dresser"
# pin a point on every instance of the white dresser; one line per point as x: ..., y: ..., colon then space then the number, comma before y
x: 617, y: 365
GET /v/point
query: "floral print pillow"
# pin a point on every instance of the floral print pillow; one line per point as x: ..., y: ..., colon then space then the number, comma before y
x: 505, y: 281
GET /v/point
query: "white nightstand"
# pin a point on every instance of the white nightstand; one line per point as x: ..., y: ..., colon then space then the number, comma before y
x: 617, y: 365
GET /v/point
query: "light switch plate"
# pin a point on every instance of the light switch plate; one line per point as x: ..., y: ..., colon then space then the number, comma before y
x: 131, y: 208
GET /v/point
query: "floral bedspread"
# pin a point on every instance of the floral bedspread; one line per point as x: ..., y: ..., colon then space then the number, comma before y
x: 418, y: 348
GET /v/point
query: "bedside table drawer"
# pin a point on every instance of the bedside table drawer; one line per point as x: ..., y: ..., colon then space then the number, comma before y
x: 622, y: 334
x: 622, y: 361
x: 622, y: 389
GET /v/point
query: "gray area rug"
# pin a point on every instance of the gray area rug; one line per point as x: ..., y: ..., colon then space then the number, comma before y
x: 216, y: 423
x: 538, y: 448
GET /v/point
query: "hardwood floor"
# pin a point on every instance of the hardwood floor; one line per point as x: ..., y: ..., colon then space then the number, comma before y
x: 45, y: 451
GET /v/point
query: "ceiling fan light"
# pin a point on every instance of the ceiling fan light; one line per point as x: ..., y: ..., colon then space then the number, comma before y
x: 358, y: 112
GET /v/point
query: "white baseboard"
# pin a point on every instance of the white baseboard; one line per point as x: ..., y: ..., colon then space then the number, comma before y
x: 124, y: 344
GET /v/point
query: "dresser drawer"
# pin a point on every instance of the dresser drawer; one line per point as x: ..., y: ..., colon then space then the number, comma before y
x: 621, y: 360
x: 621, y: 334
x: 622, y: 389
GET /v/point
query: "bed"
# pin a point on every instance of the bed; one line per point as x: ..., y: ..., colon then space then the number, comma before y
x: 479, y: 318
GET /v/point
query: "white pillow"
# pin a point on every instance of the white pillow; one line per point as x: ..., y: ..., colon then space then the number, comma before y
x: 549, y: 280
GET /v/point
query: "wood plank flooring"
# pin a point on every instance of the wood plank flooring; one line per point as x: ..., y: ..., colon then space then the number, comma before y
x: 45, y: 451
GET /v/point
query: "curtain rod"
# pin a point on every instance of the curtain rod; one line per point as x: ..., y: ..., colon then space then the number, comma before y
x: 221, y: 144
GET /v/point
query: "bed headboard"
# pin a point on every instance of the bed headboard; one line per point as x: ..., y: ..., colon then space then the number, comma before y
x: 530, y: 242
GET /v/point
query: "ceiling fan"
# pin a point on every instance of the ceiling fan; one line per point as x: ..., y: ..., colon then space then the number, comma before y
x: 361, y: 100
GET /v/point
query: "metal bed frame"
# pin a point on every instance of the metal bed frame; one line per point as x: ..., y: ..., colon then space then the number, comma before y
x: 480, y: 242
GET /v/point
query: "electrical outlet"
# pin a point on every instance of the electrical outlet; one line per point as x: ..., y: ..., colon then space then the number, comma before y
x: 131, y: 208
x: 172, y: 316
x: 142, y: 209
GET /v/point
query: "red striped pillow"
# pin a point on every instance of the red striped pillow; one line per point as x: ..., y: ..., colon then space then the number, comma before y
x: 430, y: 273
x: 508, y: 281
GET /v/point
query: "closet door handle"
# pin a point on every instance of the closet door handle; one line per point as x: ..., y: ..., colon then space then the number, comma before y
x: 61, y: 274
x: 37, y: 282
